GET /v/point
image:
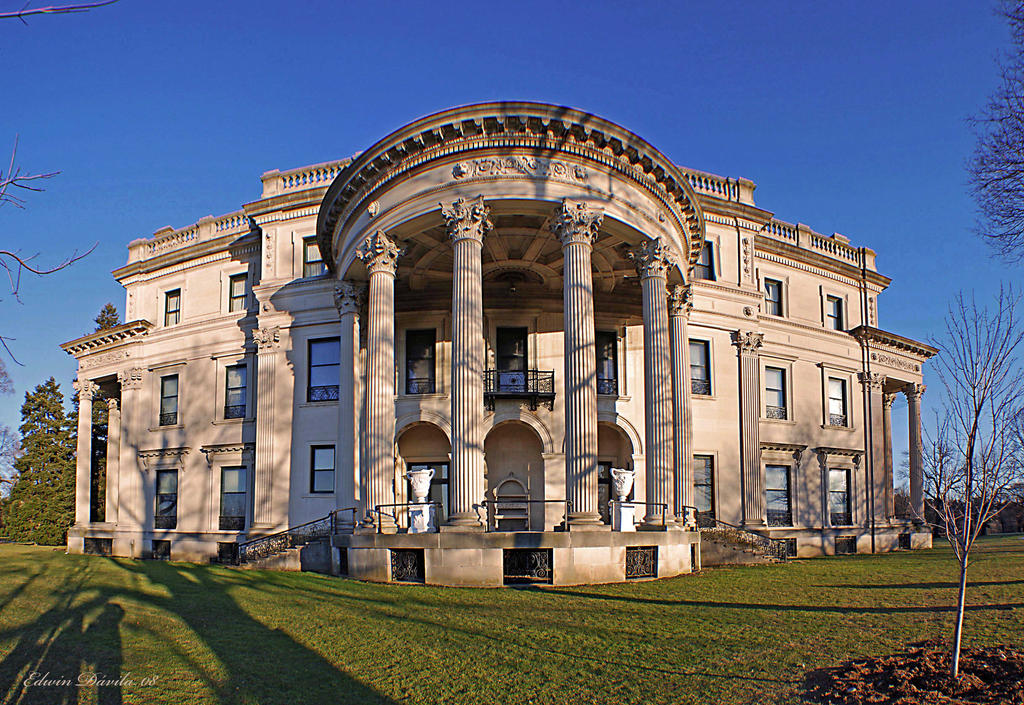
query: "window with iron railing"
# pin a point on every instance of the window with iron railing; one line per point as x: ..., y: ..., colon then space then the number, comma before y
x: 234, y: 393
x: 324, y: 365
x: 607, y: 362
x: 777, y: 495
x: 419, y: 361
x: 166, y: 514
x: 232, y: 499
x: 169, y: 400
x: 700, y: 367
x: 837, y: 402
x: 775, y: 393
x: 839, y: 497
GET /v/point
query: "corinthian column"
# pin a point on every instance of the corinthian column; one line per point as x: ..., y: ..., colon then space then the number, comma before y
x: 113, y: 459
x: 268, y: 342
x: 467, y: 224
x: 914, y: 393
x: 680, y: 303
x: 380, y: 255
x: 86, y: 390
x: 348, y: 297
x: 887, y: 400
x: 653, y: 260
x: 749, y: 343
x: 576, y: 225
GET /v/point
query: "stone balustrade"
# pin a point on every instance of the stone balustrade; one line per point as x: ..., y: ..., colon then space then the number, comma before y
x: 835, y: 246
x: 315, y: 176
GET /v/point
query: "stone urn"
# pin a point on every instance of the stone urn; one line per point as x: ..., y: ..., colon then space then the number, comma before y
x: 420, y: 481
x: 622, y: 480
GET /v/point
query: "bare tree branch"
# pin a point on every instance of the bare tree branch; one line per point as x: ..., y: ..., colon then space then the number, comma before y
x: 52, y: 10
x: 14, y: 177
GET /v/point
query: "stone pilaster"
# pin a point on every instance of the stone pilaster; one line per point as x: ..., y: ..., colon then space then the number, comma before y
x: 268, y: 343
x: 887, y: 400
x: 467, y: 223
x: 86, y: 390
x: 348, y: 298
x: 113, y: 459
x: 914, y: 393
x: 380, y: 255
x: 875, y: 495
x: 749, y: 344
x: 680, y: 303
x: 577, y: 225
x: 133, y: 425
x: 653, y: 260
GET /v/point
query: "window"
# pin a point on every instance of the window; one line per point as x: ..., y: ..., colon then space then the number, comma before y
x: 776, y: 482
x: 704, y: 489
x: 324, y: 364
x: 834, y: 313
x: 312, y: 263
x: 775, y: 393
x: 321, y: 476
x: 232, y: 499
x: 837, y: 402
x: 236, y: 293
x: 172, y: 307
x: 705, y: 267
x: 773, y: 297
x: 511, y: 359
x: 419, y: 361
x: 607, y: 362
x: 234, y: 392
x: 438, y: 486
x: 169, y: 400
x: 839, y: 497
x: 166, y: 499
x: 700, y: 367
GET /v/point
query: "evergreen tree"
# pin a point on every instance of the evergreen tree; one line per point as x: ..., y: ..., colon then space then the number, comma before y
x: 108, y: 317
x: 40, y: 507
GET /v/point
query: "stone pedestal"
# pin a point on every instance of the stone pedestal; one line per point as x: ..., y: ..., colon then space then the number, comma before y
x: 623, y: 516
x: 421, y: 519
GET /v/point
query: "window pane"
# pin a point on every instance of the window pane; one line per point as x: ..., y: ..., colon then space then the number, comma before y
x: 323, y: 376
x: 167, y: 505
x: 324, y: 352
x: 236, y: 376
x: 323, y: 480
x: 323, y: 458
x: 777, y: 501
x: 167, y: 482
x: 238, y: 285
x: 169, y: 386
x: 837, y: 480
x: 233, y: 480
x: 776, y: 477
x: 233, y: 505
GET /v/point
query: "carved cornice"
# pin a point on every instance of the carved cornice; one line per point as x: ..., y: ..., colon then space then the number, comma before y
x: 576, y: 221
x: 906, y: 346
x: 86, y: 389
x: 246, y: 451
x: 94, y: 342
x: 872, y: 380
x: 379, y: 253
x: 824, y: 452
x: 164, y: 457
x: 795, y: 449
x: 680, y: 300
x: 466, y: 219
x: 348, y: 296
x: 652, y: 258
x: 267, y: 339
x: 130, y: 378
x: 748, y: 342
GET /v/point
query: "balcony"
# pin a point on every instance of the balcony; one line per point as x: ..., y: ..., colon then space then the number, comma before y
x: 608, y: 385
x: 534, y: 386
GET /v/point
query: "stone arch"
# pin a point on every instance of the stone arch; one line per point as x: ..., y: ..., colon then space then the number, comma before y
x: 514, y: 453
x: 504, y: 415
x: 424, y: 443
x: 623, y: 424
x: 423, y: 416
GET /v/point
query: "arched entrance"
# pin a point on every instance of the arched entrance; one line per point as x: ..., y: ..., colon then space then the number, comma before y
x: 424, y: 445
x: 614, y: 450
x: 515, y: 472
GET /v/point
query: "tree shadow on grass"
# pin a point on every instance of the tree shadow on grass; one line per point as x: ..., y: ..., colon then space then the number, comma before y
x: 920, y: 586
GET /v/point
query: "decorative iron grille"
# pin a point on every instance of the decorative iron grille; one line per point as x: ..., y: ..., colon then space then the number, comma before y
x: 99, y: 547
x: 231, y: 523
x: 169, y: 419
x: 343, y: 561
x: 227, y: 552
x: 905, y: 541
x: 234, y: 411
x: 837, y: 419
x: 160, y: 550
x: 846, y: 545
x: 527, y: 565
x: 841, y: 518
x: 700, y: 386
x: 790, y: 545
x: 407, y: 565
x: 641, y: 562
x: 779, y: 517
x: 775, y: 412
x: 536, y: 386
x: 165, y: 522
x: 419, y: 385
x: 326, y: 393
x: 607, y: 386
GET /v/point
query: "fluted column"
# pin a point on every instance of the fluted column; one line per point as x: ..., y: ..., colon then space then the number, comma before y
x: 680, y: 303
x: 86, y: 390
x: 914, y: 393
x: 129, y: 483
x: 467, y: 223
x: 577, y: 224
x: 268, y: 342
x: 874, y: 413
x: 380, y: 255
x: 887, y: 400
x: 348, y: 297
x: 113, y: 459
x: 748, y: 344
x: 653, y: 259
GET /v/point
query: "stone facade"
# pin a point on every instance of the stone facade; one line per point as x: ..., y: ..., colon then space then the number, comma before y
x: 520, y: 297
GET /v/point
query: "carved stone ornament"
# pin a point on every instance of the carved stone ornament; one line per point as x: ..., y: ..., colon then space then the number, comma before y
x: 748, y: 341
x: 680, y: 300
x: 85, y: 388
x: 576, y: 221
x: 266, y: 339
x: 622, y: 480
x: 130, y: 378
x: 348, y: 296
x: 914, y: 390
x: 379, y: 253
x: 419, y: 480
x: 872, y: 380
x: 652, y: 258
x: 516, y: 165
x: 466, y: 219
x: 112, y: 406
x: 888, y: 398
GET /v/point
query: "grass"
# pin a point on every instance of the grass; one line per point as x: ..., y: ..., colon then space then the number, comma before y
x: 210, y: 634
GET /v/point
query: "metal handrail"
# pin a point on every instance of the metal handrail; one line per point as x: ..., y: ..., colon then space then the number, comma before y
x: 282, y: 540
x: 663, y: 505
x: 378, y: 521
x: 775, y: 547
x: 490, y: 518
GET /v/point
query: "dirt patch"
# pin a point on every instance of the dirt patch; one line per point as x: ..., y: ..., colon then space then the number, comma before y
x: 988, y: 675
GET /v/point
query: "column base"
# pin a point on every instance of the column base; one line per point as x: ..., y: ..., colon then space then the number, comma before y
x: 600, y: 526
x: 584, y: 519
x: 462, y: 528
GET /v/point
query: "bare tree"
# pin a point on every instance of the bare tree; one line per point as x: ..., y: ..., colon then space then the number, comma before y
x: 980, y: 368
x: 52, y: 10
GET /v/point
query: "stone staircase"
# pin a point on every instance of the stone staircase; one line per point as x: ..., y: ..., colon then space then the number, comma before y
x: 303, y: 547
x: 725, y: 544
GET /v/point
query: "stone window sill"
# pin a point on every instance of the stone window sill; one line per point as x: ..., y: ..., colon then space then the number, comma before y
x: 706, y: 397
x: 848, y: 429
x: 219, y: 422
x: 785, y: 422
x: 316, y: 404
x: 167, y: 428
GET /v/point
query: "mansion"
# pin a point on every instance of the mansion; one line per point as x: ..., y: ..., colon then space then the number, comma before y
x: 508, y: 342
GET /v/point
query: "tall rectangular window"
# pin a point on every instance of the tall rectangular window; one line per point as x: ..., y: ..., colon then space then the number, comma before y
x: 773, y: 296
x: 419, y: 361
x: 704, y: 489
x: 776, y: 482
x: 705, y: 267
x: 236, y: 292
x: 232, y: 499
x: 834, y: 313
x: 324, y: 365
x: 607, y: 362
x: 166, y: 516
x: 839, y: 497
x: 775, y: 393
x: 234, y: 392
x: 837, y: 402
x: 312, y: 263
x: 172, y: 307
x: 512, y: 360
x: 700, y: 367
x: 321, y: 475
x: 169, y: 400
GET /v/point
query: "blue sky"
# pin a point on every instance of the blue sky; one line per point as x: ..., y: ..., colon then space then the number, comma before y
x: 850, y: 117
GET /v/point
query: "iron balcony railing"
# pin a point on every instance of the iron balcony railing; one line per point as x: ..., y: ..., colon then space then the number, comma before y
x: 419, y: 385
x: 399, y: 516
x: 837, y: 419
x: 499, y: 510
x: 165, y: 522
x: 230, y: 523
x: 607, y: 386
x: 169, y: 419
x: 775, y: 412
x: 536, y: 386
x: 700, y: 386
x: 234, y: 411
x: 840, y: 518
x: 325, y: 393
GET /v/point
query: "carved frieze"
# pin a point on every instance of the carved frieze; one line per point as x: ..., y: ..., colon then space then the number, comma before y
x: 680, y: 300
x: 102, y: 359
x: 748, y: 342
x: 652, y: 258
x: 348, y: 296
x: 534, y: 167
x: 893, y: 361
x: 466, y: 219
x: 576, y: 221
x: 379, y: 253
x: 130, y: 378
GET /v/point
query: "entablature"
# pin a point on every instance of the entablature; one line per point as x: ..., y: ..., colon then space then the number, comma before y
x: 107, y: 339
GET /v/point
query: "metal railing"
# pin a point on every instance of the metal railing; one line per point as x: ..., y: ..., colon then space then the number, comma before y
x: 700, y: 386
x: 607, y: 385
x: 264, y: 546
x: 491, y: 508
x: 378, y: 515
x: 534, y: 385
x: 662, y: 505
x: 775, y: 412
x: 325, y: 393
x: 169, y: 419
x: 775, y: 548
x: 234, y: 411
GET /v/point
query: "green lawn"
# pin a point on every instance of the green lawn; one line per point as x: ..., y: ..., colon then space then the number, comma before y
x: 210, y: 634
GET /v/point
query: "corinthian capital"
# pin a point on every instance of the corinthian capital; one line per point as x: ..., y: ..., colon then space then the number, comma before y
x: 267, y: 339
x: 130, y: 378
x: 914, y: 390
x: 379, y: 253
x: 872, y: 380
x: 652, y: 258
x: 348, y: 296
x: 680, y: 300
x: 85, y: 389
x: 576, y: 221
x: 748, y: 341
x: 466, y: 219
